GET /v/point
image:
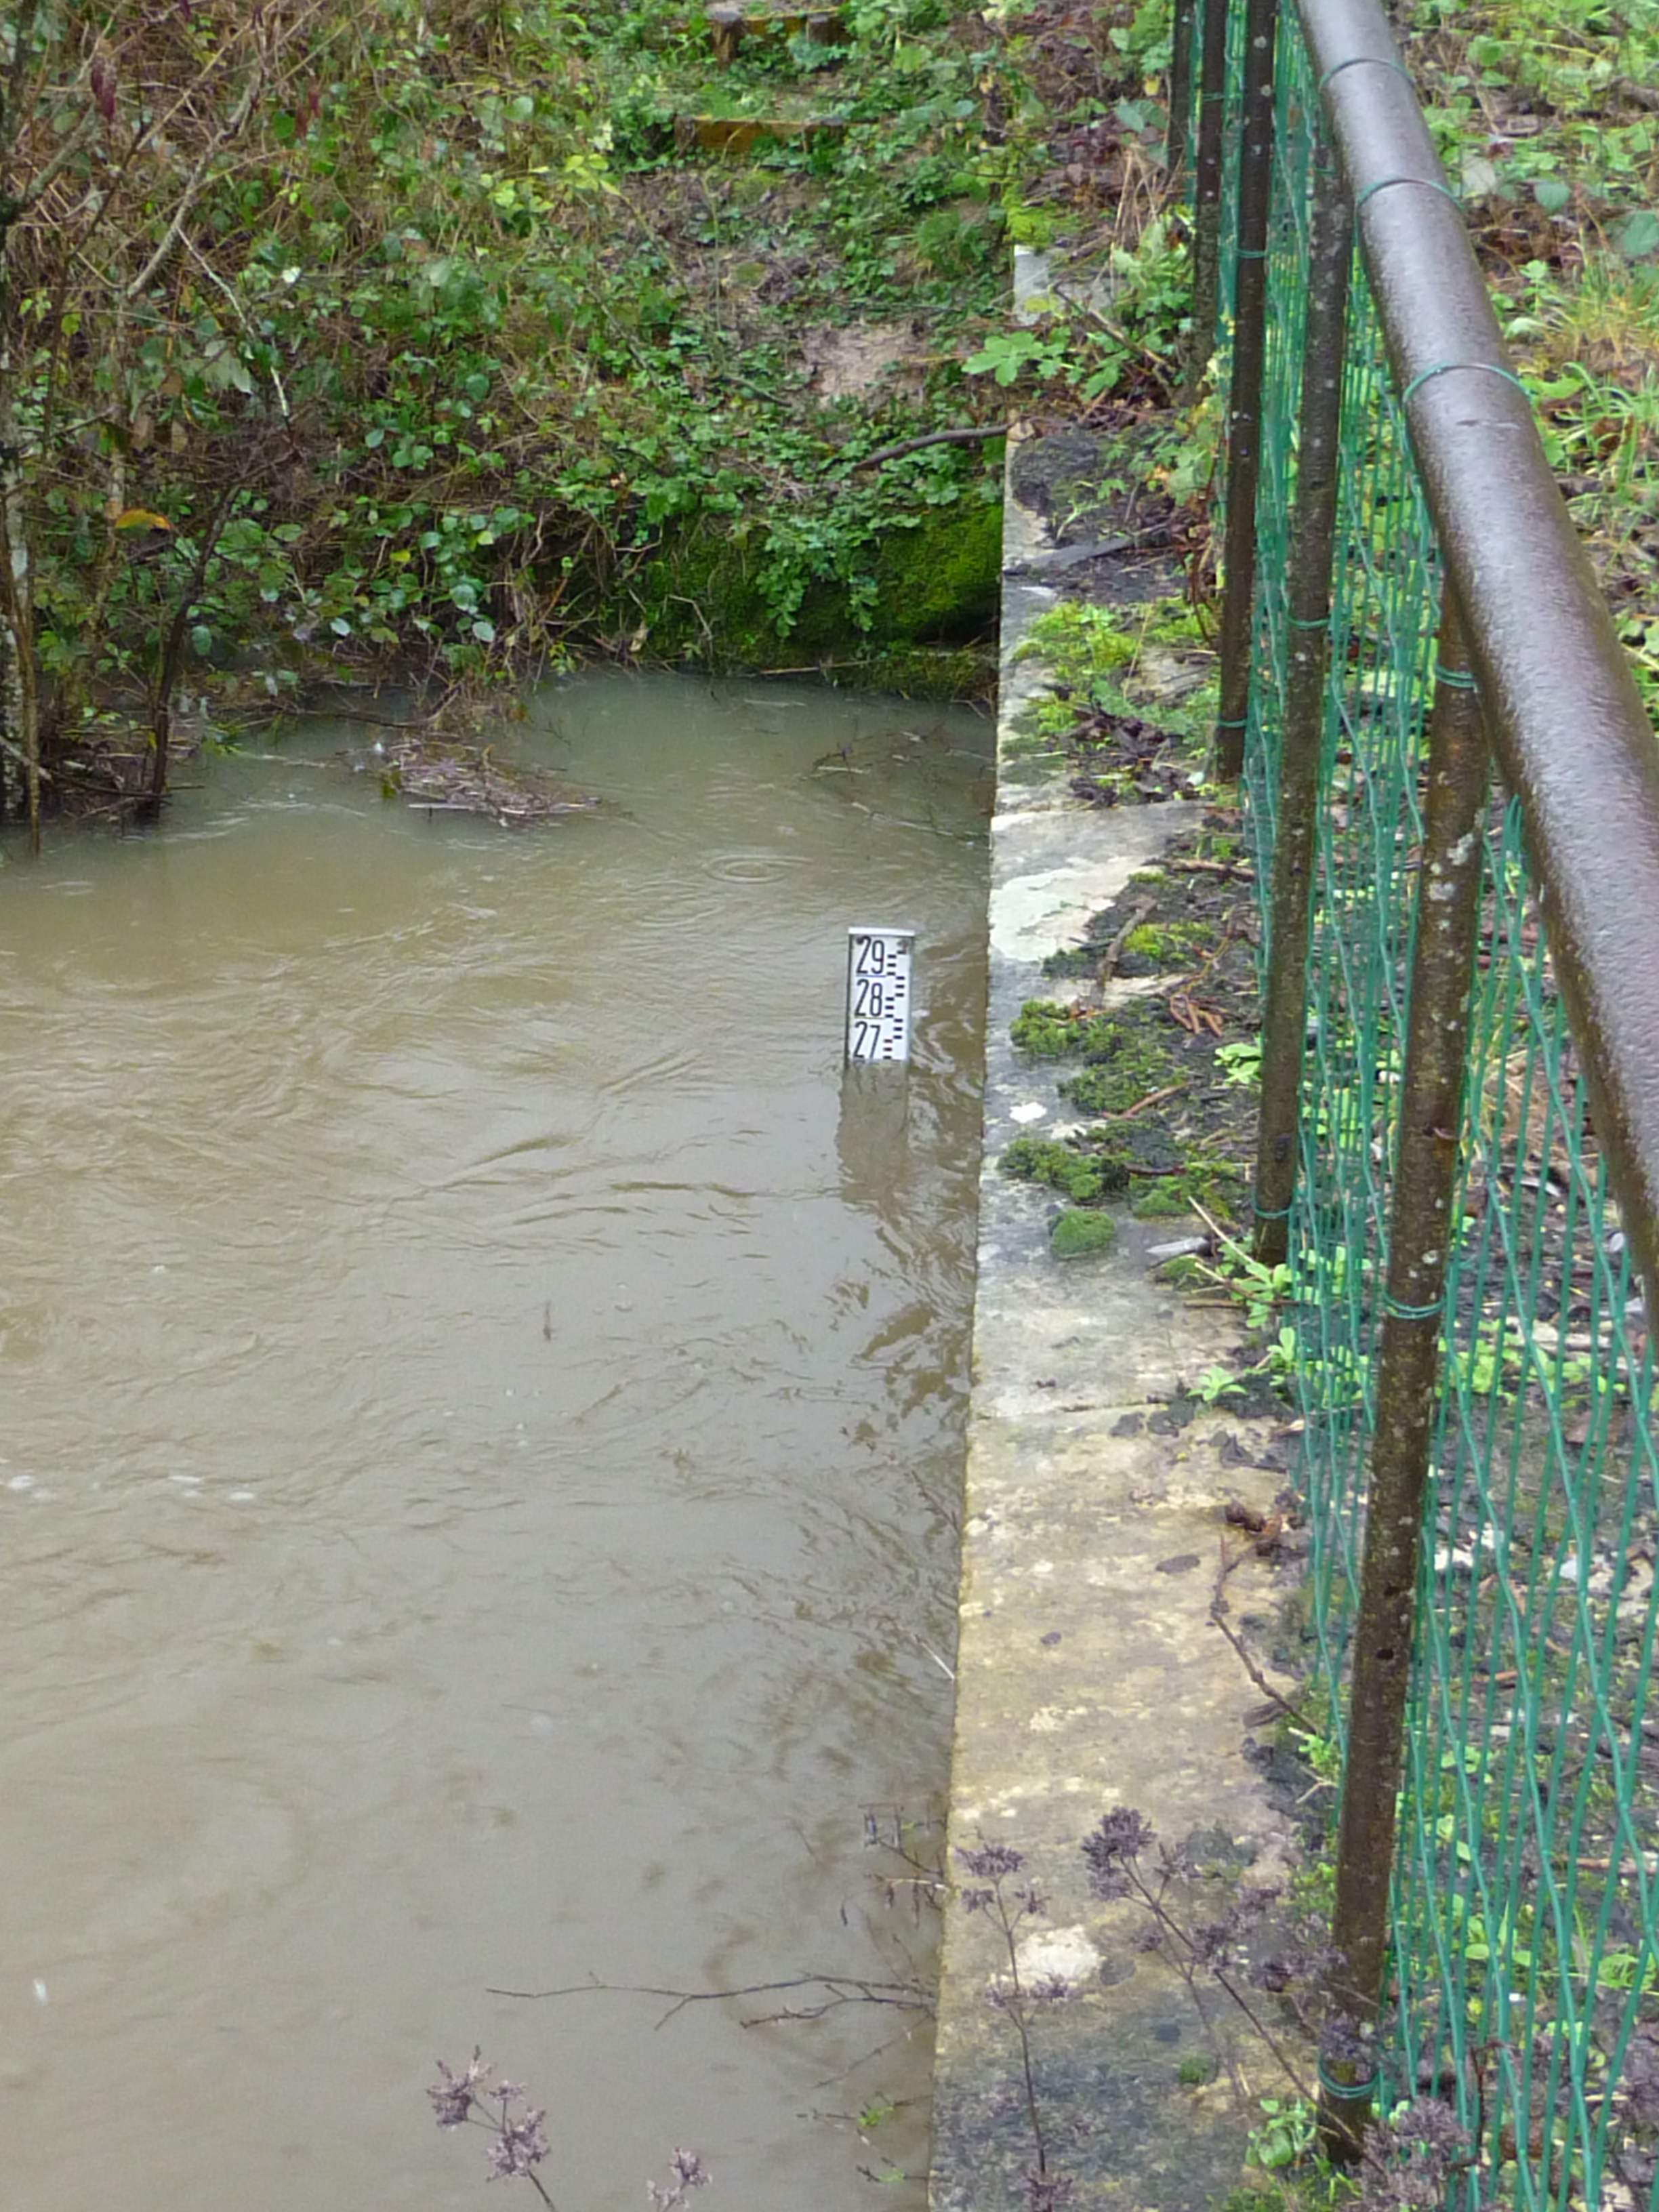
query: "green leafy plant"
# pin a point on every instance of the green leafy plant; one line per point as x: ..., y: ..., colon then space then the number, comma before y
x: 1010, y: 354
x: 1287, y: 2135
x: 1240, y: 1063
x: 1259, y: 1289
x: 1216, y: 1384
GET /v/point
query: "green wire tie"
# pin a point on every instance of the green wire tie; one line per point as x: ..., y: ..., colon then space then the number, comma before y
x: 1381, y: 184
x: 1310, y: 622
x: 1250, y: 254
x: 1273, y: 1212
x: 1347, y: 2092
x: 1398, y: 1312
x: 1235, y: 722
x: 1460, y: 679
x: 1354, y: 61
x: 1440, y: 367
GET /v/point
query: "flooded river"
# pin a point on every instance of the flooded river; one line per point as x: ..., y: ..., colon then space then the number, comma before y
x: 481, y: 1417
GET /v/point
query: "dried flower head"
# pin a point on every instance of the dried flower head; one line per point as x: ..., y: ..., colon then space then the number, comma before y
x: 518, y: 2141
x: 687, y: 2172
x: 519, y: 2147
x: 454, y: 2096
x: 1411, y: 2159
x: 1050, y: 1989
x: 992, y: 1861
x: 1117, y: 1841
x: 1119, y: 1837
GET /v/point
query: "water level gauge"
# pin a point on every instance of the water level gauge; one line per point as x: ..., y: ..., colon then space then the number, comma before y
x: 878, y: 994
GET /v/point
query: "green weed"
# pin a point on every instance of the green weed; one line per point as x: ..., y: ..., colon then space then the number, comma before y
x: 1240, y: 1063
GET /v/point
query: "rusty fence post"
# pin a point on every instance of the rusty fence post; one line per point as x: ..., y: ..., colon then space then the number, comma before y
x: 1307, y: 596
x: 1179, y: 132
x: 1256, y: 183
x: 1407, y: 1384
x: 1206, y: 190
x: 1244, y: 385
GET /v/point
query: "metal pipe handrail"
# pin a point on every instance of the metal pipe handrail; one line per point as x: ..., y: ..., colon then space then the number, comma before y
x: 1566, y: 722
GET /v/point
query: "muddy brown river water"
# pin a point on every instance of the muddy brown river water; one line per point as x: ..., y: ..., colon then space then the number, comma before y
x: 480, y: 1414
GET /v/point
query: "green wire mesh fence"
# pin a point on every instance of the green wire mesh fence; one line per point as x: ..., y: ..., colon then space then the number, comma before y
x: 1522, y: 1984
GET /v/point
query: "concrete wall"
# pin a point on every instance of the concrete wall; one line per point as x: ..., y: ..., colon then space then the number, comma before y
x: 1089, y: 1675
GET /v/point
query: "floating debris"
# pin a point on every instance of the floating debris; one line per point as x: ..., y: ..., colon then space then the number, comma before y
x: 446, y: 776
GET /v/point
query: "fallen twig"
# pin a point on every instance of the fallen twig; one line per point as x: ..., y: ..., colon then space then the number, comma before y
x: 1239, y: 869
x: 1107, y: 967
x: 1152, y: 1098
x: 965, y: 437
x: 1218, y: 1611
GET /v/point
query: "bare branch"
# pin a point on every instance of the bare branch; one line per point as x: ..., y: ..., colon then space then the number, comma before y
x: 839, y: 1990
x: 232, y: 129
x: 963, y: 437
x: 54, y: 168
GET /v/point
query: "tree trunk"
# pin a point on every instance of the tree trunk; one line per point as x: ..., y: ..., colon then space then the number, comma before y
x: 20, y: 705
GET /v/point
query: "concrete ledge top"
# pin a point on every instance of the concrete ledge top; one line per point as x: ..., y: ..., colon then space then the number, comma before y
x: 1090, y: 1674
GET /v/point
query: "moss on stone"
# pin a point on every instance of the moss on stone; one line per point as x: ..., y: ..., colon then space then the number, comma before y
x: 942, y: 580
x: 1078, y: 1232
x: 937, y: 584
x: 1084, y: 1177
x: 1214, y: 1184
x: 930, y: 671
x: 1125, y: 1067
x: 1048, y: 1030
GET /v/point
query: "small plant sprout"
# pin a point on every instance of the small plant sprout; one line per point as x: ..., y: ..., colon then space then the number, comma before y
x: 1217, y: 1383
x: 1241, y: 1062
x: 1261, y: 1290
x: 1287, y: 2136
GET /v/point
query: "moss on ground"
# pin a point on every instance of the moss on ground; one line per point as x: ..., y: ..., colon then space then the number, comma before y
x: 1169, y: 1129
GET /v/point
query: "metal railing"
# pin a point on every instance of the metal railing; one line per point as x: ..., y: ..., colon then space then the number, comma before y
x: 1459, y: 1146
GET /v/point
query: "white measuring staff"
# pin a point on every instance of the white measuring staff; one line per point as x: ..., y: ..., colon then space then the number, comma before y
x: 878, y: 994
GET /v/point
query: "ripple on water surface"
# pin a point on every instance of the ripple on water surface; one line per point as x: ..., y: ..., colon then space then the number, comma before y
x: 481, y: 1421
